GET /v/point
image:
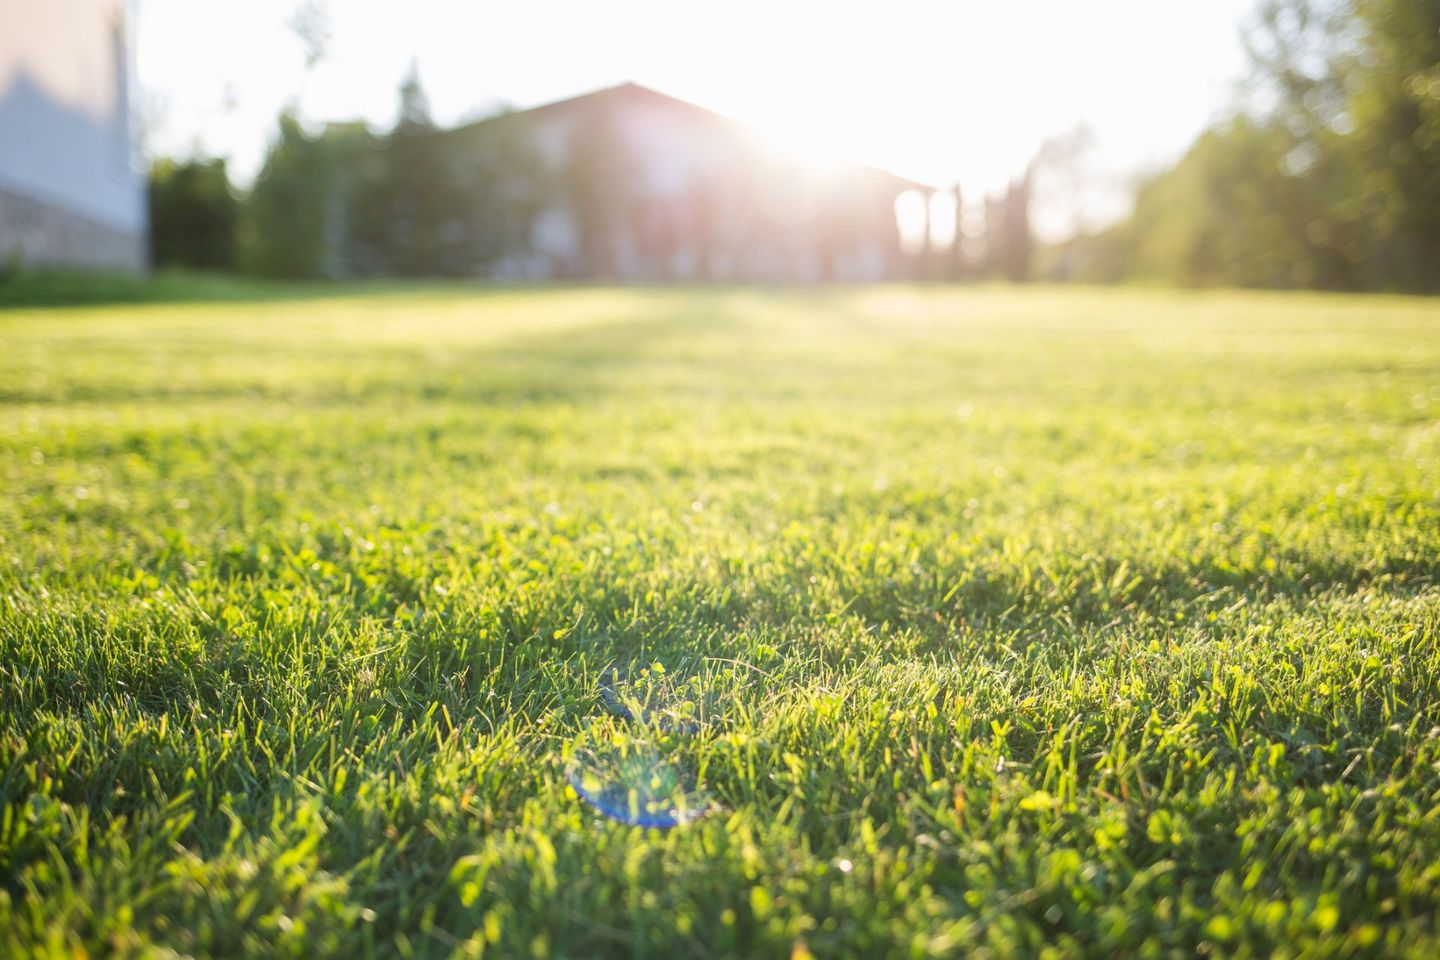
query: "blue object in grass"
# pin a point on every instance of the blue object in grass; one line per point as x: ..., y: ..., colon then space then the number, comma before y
x: 630, y: 783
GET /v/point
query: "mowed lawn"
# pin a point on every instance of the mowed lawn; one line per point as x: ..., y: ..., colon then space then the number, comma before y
x: 986, y: 622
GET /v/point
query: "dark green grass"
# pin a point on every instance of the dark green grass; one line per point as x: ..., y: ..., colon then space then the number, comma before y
x: 1044, y: 622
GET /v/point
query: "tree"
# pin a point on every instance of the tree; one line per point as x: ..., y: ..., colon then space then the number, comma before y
x: 1393, y: 106
x: 1297, y: 50
x: 282, y: 232
x: 1330, y: 177
x: 1356, y: 83
x: 193, y: 214
x: 413, y: 218
x: 1228, y: 213
x: 311, y: 25
x: 500, y: 184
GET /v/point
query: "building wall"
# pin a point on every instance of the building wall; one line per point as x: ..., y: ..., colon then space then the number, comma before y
x: 626, y: 184
x: 689, y: 195
x: 72, y: 187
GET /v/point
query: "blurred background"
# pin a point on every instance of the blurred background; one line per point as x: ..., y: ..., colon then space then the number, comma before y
x: 1265, y: 143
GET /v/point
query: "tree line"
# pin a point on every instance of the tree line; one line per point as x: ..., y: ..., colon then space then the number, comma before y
x: 1329, y: 178
x: 347, y: 202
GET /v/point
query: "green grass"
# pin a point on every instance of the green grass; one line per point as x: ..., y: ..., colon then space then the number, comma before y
x: 1025, y: 622
x: 66, y: 288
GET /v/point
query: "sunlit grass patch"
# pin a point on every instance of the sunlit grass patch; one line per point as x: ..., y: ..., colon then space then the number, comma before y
x: 1098, y: 622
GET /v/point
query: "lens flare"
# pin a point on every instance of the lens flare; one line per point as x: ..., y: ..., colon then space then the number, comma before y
x: 629, y: 781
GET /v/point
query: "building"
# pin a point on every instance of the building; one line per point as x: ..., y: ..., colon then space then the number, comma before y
x: 630, y: 184
x: 72, y: 185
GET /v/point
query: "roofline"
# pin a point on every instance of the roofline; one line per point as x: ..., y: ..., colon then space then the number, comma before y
x: 566, y: 102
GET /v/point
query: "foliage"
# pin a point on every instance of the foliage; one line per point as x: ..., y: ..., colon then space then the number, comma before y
x: 501, y: 187
x: 283, y: 233
x: 193, y: 214
x: 1395, y: 110
x: 300, y: 215
x: 415, y: 202
x: 412, y: 211
x: 1035, y: 623
x: 1333, y: 181
x: 1187, y: 219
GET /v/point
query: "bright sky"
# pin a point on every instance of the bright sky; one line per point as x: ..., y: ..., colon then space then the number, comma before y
x: 938, y: 91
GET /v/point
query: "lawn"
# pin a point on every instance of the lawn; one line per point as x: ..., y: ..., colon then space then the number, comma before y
x: 937, y: 622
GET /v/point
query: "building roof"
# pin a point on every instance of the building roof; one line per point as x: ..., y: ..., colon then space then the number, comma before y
x: 638, y: 93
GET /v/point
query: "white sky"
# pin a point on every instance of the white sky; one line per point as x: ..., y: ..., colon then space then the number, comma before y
x: 938, y: 91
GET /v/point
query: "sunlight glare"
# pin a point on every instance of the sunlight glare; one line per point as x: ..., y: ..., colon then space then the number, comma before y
x: 910, y: 217
x: 944, y: 220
